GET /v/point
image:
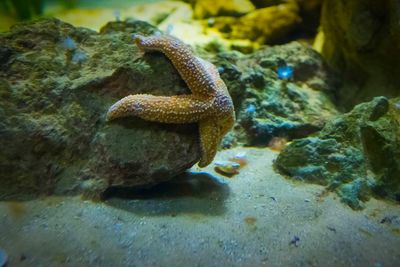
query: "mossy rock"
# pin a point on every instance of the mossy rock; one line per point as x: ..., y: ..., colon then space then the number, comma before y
x: 357, y: 154
x: 54, y: 137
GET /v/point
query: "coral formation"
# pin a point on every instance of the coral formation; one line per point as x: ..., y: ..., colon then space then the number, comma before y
x: 209, y: 104
x: 355, y: 154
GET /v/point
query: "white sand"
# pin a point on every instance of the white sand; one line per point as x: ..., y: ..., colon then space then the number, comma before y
x: 204, y: 220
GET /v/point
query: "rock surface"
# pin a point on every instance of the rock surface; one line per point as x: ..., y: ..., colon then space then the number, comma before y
x: 362, y: 42
x: 56, y: 84
x: 357, y: 154
x: 269, y: 106
x: 264, y: 26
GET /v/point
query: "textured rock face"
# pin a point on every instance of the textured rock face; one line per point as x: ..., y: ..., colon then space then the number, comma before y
x: 56, y: 84
x: 356, y: 154
x: 362, y: 42
x: 271, y: 107
x: 273, y: 22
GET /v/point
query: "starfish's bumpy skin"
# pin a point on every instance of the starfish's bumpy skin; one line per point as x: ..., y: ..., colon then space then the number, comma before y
x: 210, y: 104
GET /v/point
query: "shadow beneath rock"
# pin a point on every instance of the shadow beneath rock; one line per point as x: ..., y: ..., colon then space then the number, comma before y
x: 189, y: 193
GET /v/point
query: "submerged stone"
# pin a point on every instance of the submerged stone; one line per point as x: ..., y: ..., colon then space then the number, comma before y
x: 357, y: 154
x: 267, y: 25
x: 54, y: 137
x: 269, y: 106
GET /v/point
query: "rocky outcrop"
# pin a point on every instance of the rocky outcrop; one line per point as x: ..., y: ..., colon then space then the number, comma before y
x: 58, y: 81
x: 271, y: 106
x: 357, y: 154
x: 362, y: 42
x: 56, y: 84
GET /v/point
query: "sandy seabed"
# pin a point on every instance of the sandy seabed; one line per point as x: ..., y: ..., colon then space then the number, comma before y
x: 255, y: 218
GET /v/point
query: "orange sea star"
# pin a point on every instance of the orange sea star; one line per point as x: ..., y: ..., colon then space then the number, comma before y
x: 210, y: 104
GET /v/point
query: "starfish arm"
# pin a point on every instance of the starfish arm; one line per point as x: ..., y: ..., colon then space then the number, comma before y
x: 165, y: 109
x: 227, y: 123
x: 209, y: 139
x: 193, y: 70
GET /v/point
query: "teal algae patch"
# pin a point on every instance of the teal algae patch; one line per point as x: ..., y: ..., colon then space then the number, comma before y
x: 356, y: 155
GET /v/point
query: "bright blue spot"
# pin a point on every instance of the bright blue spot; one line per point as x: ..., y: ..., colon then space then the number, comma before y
x: 69, y: 43
x: 397, y: 105
x: 79, y: 57
x: 250, y: 109
x: 285, y: 72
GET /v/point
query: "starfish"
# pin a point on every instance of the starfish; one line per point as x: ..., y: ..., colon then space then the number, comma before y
x: 209, y: 103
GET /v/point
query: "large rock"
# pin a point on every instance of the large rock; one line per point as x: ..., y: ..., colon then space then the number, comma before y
x: 357, y: 154
x: 269, y: 106
x: 287, y: 19
x: 362, y: 42
x: 56, y: 84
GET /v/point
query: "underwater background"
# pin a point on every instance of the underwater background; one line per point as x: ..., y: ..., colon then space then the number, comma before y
x: 200, y: 133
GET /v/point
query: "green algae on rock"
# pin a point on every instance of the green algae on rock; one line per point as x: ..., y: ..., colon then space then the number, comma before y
x: 357, y: 154
x: 271, y: 107
x: 54, y: 138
